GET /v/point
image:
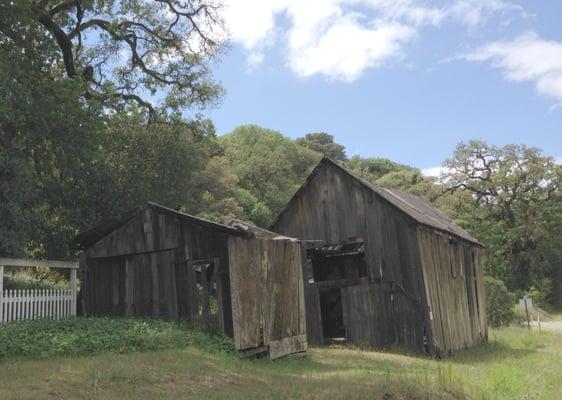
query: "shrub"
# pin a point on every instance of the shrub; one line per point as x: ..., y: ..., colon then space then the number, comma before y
x: 500, y: 301
x: 19, y: 282
x: 540, y: 291
x: 89, y: 335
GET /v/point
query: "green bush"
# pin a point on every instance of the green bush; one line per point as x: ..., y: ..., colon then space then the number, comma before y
x: 499, y: 304
x: 22, y: 282
x: 89, y: 335
x: 540, y: 291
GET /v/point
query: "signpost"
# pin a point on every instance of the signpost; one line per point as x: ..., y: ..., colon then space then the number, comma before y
x: 526, y: 303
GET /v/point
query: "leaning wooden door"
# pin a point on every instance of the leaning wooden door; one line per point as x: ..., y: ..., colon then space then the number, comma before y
x: 267, y: 295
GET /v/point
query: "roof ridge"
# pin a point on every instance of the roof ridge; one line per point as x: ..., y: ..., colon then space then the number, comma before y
x: 395, y: 198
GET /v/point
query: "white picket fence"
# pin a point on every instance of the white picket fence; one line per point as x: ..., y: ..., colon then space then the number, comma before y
x: 16, y: 305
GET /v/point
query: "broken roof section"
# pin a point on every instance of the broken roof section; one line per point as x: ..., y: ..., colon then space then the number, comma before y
x: 414, y: 206
x: 238, y: 228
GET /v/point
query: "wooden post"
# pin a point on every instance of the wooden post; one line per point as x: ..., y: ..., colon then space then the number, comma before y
x: 527, y: 312
x: 1, y: 293
x: 73, y: 291
x: 539, y: 321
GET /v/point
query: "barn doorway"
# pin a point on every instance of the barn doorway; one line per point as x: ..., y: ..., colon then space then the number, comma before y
x: 332, y: 268
x: 199, y: 292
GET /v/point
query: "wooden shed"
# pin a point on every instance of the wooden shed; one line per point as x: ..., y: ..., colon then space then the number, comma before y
x: 155, y: 261
x: 392, y: 269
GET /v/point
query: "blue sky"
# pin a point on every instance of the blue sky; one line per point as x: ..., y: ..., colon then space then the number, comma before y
x: 403, y: 79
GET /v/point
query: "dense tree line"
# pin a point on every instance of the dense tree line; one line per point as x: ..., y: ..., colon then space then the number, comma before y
x: 78, y: 146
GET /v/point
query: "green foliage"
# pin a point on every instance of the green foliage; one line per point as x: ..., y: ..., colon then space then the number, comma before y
x: 125, y: 54
x: 46, y: 134
x: 513, y: 206
x: 269, y: 166
x: 374, y: 168
x: 324, y: 144
x: 28, y: 280
x: 540, y: 291
x: 499, y: 303
x: 81, y: 336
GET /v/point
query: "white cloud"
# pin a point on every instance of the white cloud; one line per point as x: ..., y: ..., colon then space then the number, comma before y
x: 433, y: 171
x: 340, y: 39
x: 346, y: 49
x: 558, y: 160
x: 527, y: 58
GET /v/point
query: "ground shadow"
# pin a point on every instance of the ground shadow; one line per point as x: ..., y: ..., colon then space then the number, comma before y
x: 487, y: 352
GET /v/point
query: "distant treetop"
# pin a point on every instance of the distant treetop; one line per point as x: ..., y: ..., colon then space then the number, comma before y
x: 324, y: 144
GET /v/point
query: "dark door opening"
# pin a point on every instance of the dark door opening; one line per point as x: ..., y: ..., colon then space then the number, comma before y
x: 333, y: 327
x: 334, y: 267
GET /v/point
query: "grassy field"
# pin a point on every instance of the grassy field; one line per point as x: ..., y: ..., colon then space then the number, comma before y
x: 515, y: 364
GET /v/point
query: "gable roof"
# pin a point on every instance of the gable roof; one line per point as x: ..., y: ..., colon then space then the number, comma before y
x: 414, y: 206
x: 238, y: 228
x: 94, y: 235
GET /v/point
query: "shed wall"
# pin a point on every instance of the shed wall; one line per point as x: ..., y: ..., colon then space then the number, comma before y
x: 142, y: 268
x: 334, y: 207
x: 453, y: 282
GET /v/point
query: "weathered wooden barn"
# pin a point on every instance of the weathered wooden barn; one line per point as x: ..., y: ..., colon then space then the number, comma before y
x: 154, y: 261
x: 392, y: 270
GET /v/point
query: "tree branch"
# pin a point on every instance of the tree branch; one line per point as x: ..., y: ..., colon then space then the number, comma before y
x: 63, y: 41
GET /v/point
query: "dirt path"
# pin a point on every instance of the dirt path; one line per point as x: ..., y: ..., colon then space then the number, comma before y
x: 552, y: 326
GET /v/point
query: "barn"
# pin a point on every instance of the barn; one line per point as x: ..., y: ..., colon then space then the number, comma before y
x: 391, y: 270
x: 155, y: 261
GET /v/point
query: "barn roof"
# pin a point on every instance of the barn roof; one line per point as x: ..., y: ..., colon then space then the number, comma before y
x: 239, y: 228
x: 94, y: 235
x: 414, y: 206
x: 261, y: 233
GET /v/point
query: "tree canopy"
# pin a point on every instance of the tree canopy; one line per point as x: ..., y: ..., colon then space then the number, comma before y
x: 514, y: 207
x: 153, y: 54
x: 323, y: 143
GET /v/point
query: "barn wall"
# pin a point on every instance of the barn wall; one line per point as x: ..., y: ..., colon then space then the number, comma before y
x: 329, y: 208
x: 267, y: 295
x: 334, y: 207
x: 142, y: 268
x: 455, y: 294
x: 148, y: 231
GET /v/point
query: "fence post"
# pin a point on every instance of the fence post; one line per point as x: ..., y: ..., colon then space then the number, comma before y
x: 1, y: 293
x: 73, y: 291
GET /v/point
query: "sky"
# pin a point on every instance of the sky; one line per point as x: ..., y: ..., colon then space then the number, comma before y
x: 401, y: 79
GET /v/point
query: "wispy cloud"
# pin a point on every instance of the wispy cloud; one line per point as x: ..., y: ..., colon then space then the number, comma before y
x: 340, y: 39
x: 527, y: 58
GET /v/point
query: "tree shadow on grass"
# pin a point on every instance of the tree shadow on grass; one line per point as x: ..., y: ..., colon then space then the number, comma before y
x: 489, y: 352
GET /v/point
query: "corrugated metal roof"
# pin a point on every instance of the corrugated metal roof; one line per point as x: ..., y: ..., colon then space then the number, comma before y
x: 414, y: 206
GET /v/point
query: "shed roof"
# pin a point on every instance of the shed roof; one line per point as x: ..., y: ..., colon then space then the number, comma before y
x: 238, y: 228
x: 94, y: 235
x: 414, y: 206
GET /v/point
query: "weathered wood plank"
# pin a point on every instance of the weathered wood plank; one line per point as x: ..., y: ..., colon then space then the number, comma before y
x: 286, y: 346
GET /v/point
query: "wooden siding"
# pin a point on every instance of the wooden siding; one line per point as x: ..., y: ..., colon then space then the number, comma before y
x: 148, y: 231
x: 160, y: 265
x: 334, y: 207
x: 142, y: 268
x: 453, y: 283
x: 138, y: 284
x: 267, y: 295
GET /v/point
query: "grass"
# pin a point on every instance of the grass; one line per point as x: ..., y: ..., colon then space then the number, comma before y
x: 514, y: 364
x: 85, y: 336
